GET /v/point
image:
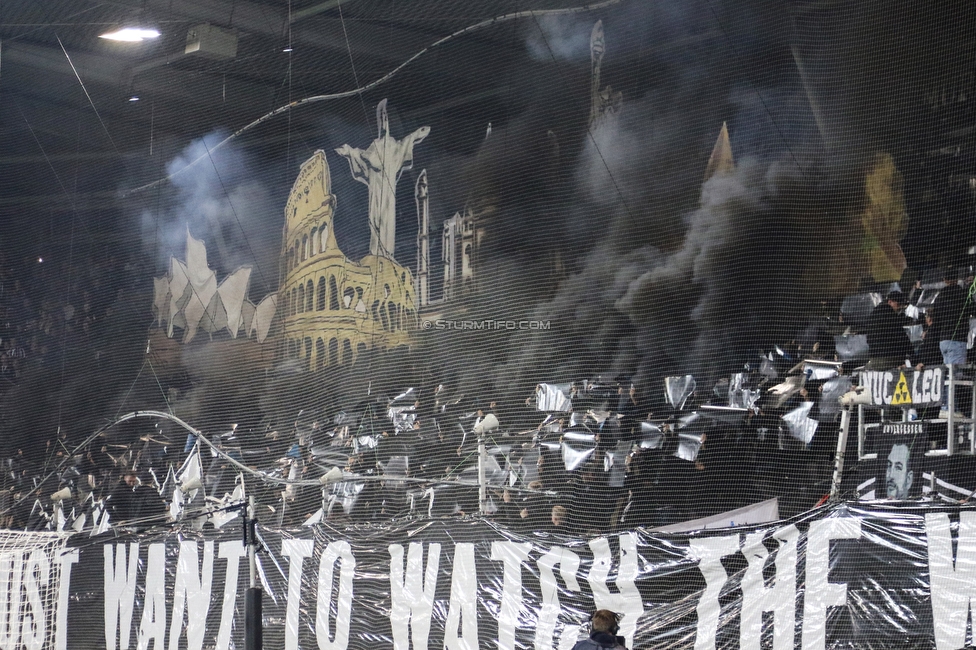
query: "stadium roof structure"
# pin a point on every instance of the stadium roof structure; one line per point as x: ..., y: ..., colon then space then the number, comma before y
x: 89, y: 117
x: 85, y: 117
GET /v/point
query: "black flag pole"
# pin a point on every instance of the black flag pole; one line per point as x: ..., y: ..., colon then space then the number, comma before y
x: 253, y: 624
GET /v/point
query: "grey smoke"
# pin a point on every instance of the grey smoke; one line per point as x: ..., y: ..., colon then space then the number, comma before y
x: 663, y: 274
x: 564, y: 37
x: 223, y: 199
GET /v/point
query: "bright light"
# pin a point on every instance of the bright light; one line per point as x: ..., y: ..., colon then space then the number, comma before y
x: 130, y: 34
x: 134, y: 98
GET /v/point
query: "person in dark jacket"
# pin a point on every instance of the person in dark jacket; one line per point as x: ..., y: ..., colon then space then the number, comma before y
x: 604, y: 626
x: 133, y: 501
x: 888, y: 343
x: 121, y: 501
x: 928, y: 353
x: 952, y: 310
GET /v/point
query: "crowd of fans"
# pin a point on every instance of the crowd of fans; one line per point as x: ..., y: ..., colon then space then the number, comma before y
x: 624, y: 482
x: 606, y: 459
x: 48, y: 310
x: 52, y: 317
x: 602, y: 466
x: 930, y: 325
x: 607, y: 465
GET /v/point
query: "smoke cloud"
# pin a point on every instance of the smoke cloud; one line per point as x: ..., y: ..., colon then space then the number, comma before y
x: 608, y: 233
x: 565, y: 37
x: 225, y: 200
x: 642, y: 268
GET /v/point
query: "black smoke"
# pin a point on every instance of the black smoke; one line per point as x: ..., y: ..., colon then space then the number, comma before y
x: 609, y: 233
x: 641, y: 268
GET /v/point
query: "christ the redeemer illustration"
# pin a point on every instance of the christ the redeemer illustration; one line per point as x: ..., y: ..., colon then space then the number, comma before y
x: 379, y: 167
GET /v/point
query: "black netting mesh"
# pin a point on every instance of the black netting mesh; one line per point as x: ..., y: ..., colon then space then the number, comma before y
x: 592, y: 268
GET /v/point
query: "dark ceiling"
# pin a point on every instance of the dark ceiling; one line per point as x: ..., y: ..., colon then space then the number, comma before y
x: 72, y: 142
x: 71, y: 139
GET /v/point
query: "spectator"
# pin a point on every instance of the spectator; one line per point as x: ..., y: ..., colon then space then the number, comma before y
x: 604, y: 626
x: 121, y: 500
x: 929, y: 351
x: 558, y: 517
x: 528, y: 511
x: 552, y: 471
x: 888, y: 343
x: 953, y: 309
x: 589, y: 507
x: 629, y: 410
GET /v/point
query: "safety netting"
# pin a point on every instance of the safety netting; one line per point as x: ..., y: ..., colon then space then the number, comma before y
x: 507, y: 268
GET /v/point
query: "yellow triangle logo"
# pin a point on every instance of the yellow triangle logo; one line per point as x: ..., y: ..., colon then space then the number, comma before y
x: 901, y: 396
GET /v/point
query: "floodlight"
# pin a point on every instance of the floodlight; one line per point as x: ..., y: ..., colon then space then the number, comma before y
x: 130, y: 34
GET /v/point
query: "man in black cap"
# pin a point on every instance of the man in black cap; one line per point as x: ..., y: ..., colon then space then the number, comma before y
x: 888, y: 342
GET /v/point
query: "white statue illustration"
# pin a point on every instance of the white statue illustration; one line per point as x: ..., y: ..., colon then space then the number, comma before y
x: 379, y: 167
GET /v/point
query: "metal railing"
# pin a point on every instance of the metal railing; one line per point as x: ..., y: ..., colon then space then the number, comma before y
x: 960, y: 429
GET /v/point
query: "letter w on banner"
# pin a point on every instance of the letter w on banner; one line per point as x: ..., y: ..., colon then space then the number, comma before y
x: 413, y: 594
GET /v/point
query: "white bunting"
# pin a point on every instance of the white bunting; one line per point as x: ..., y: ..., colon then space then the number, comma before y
x: 297, y: 550
x: 710, y: 552
x: 820, y: 592
x: 513, y: 554
x: 232, y: 552
x: 463, y: 607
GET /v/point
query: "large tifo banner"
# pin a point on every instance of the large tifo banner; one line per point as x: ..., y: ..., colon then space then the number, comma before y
x: 845, y: 576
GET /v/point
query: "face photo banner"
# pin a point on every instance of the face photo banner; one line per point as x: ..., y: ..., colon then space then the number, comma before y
x: 901, y: 451
x: 851, y: 575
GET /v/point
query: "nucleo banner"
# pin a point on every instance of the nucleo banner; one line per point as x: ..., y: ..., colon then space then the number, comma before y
x: 905, y: 387
x: 852, y: 575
